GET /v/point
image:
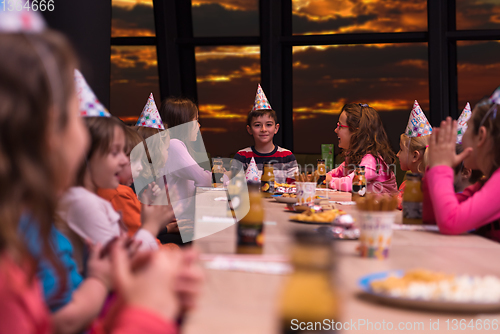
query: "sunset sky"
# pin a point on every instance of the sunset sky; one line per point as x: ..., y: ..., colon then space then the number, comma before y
x: 388, y: 77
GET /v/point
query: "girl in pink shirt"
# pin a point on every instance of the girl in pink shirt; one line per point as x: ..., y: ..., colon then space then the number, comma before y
x: 362, y: 136
x: 476, y: 208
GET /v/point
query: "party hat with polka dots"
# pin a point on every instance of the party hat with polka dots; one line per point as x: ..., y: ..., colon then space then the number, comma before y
x: 462, y: 122
x: 418, y: 125
x: 150, y: 117
x: 89, y: 104
x: 261, y: 102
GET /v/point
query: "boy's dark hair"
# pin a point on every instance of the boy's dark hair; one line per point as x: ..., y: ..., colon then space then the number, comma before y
x: 475, y: 174
x: 261, y: 112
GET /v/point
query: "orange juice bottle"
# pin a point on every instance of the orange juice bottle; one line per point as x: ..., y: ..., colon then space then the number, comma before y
x: 322, y: 173
x: 413, y: 199
x: 267, y: 180
x: 309, y: 295
x: 359, y: 182
x: 251, y: 227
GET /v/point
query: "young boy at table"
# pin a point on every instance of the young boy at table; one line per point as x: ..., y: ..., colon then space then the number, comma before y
x: 262, y: 125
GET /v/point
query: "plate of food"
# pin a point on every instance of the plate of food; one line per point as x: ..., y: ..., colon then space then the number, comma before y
x: 436, y: 291
x: 292, y: 198
x: 310, y: 217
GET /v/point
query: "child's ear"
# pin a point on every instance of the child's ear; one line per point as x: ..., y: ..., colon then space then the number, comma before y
x: 249, y: 129
x: 482, y: 136
x: 416, y: 155
x: 277, y: 127
x: 466, y: 173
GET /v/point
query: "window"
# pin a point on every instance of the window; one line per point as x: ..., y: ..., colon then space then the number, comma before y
x: 478, y: 68
x: 134, y: 75
x: 345, y: 16
x: 132, y: 18
x: 388, y: 77
x: 227, y: 79
x: 225, y: 18
x: 478, y: 14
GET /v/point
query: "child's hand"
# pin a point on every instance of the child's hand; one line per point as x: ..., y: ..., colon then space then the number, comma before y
x: 328, y: 178
x: 156, y: 217
x: 442, y: 145
x: 150, y: 280
x: 189, y: 280
x: 99, y: 267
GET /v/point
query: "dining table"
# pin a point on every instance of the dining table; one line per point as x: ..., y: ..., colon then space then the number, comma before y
x: 245, y: 301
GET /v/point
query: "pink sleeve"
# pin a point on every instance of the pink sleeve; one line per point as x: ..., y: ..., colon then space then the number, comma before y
x: 339, y: 171
x: 454, y: 216
x: 133, y: 320
x: 345, y: 183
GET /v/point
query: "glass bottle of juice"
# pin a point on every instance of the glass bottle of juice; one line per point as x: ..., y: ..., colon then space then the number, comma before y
x: 413, y: 199
x: 267, y: 180
x: 251, y: 228
x: 359, y: 182
x: 309, y: 295
x: 217, y: 173
x: 322, y: 173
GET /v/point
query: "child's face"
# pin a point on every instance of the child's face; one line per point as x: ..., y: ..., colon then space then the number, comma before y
x: 263, y: 129
x: 136, y: 166
x: 343, y: 133
x: 403, y: 156
x: 106, y: 168
x: 125, y: 176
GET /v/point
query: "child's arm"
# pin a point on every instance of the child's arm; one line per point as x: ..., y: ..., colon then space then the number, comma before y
x: 455, y: 217
x: 345, y: 183
x: 337, y: 172
x: 87, y: 300
x: 183, y: 166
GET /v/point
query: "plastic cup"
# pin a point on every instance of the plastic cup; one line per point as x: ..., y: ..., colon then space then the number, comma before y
x: 279, y: 177
x: 376, y: 233
x: 305, y: 192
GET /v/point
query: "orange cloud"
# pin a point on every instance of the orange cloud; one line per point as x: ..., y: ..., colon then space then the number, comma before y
x: 349, y: 16
x: 222, y: 52
x: 219, y: 111
x: 129, y: 56
x: 230, y: 4
x: 131, y: 3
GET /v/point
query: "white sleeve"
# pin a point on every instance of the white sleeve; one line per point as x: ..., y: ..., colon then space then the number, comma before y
x: 90, y: 220
x: 148, y: 240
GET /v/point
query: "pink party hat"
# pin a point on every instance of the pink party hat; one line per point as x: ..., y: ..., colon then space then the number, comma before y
x: 462, y: 122
x: 418, y: 125
x: 150, y: 117
x: 252, y: 173
x: 261, y: 102
x: 89, y: 104
x: 20, y: 21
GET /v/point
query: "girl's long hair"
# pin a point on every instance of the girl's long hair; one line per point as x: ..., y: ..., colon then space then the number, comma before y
x: 368, y: 135
x: 36, y: 83
x: 486, y: 114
